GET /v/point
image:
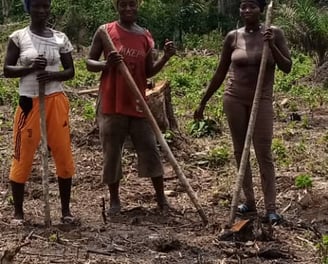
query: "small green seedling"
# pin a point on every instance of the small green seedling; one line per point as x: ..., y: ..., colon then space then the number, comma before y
x: 303, y: 181
x: 169, y: 136
x: 89, y: 111
x: 204, y: 128
x: 10, y: 199
x: 219, y: 156
x: 53, y: 237
x: 323, y: 249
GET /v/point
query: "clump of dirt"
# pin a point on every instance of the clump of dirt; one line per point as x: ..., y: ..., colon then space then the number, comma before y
x: 319, y: 76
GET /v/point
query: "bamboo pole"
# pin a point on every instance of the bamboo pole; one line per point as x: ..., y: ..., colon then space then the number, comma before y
x: 135, y: 90
x: 44, y: 154
x: 252, y: 120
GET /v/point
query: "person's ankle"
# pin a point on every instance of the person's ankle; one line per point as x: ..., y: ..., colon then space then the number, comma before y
x: 114, y: 202
x: 162, y: 201
x: 19, y: 215
x: 66, y: 213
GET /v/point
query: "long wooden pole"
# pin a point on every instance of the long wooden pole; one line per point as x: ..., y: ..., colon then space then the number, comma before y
x: 135, y: 90
x: 44, y: 154
x: 252, y: 120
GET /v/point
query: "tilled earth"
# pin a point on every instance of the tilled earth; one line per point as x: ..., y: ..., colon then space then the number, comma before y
x: 141, y: 234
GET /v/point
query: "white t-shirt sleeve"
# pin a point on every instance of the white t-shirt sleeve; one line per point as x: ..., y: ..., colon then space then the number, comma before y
x: 15, y: 37
x: 65, y: 46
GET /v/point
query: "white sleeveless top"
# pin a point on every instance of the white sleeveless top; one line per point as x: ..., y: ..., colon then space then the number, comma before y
x: 32, y: 45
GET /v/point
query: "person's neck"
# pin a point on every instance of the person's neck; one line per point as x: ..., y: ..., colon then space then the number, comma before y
x: 250, y: 28
x: 126, y: 25
x: 38, y: 27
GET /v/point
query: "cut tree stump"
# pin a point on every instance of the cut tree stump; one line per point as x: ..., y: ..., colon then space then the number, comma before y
x: 160, y: 103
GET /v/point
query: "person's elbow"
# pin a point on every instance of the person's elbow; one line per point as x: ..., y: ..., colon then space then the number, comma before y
x: 88, y: 65
x: 286, y: 67
x: 71, y: 73
x: 6, y: 72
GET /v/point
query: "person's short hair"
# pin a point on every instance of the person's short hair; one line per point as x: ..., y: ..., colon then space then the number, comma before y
x: 261, y: 3
x: 115, y: 3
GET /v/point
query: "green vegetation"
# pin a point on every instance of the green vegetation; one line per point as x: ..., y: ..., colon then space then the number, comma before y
x: 207, y: 127
x: 304, y: 21
x: 306, y: 27
x: 219, y: 156
x: 280, y: 152
x: 303, y: 181
x: 323, y: 248
x: 89, y: 111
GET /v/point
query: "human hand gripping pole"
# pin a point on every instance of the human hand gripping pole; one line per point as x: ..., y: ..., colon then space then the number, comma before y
x: 134, y: 89
x: 252, y: 120
x: 44, y: 154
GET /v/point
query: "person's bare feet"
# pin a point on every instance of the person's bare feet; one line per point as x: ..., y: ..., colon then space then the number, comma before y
x: 163, y: 205
x: 18, y: 219
x: 114, y: 206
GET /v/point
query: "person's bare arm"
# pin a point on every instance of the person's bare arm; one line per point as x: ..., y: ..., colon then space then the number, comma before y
x: 219, y: 74
x: 153, y: 67
x: 279, y: 49
x: 96, y: 49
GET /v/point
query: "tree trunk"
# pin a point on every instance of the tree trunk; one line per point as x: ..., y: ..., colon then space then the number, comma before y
x: 6, y: 4
x: 160, y: 104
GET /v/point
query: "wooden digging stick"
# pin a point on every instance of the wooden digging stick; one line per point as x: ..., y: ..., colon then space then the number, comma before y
x: 252, y: 120
x: 44, y: 154
x: 135, y: 90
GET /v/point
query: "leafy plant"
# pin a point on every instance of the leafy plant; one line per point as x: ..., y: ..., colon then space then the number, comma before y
x: 89, y: 111
x: 280, y: 151
x: 169, y: 136
x: 10, y: 199
x: 303, y: 181
x: 53, y: 237
x: 323, y: 248
x: 306, y: 26
x: 219, y: 156
x: 203, y: 128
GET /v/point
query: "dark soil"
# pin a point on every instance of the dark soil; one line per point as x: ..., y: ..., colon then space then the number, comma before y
x: 142, y: 234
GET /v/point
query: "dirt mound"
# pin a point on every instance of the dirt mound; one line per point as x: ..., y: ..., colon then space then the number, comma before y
x: 320, y: 76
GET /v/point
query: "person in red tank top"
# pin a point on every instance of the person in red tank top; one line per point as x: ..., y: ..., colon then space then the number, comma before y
x: 119, y: 113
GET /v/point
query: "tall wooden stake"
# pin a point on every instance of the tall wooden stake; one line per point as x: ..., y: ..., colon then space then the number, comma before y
x: 44, y: 154
x: 252, y: 120
x: 135, y: 90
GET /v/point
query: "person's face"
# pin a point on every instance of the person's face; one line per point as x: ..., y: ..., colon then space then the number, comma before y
x: 249, y: 11
x: 127, y: 10
x: 40, y: 10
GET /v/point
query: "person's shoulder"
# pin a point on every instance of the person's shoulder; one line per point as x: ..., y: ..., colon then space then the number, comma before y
x: 19, y: 32
x: 108, y: 25
x: 277, y: 31
x: 231, y: 35
x: 58, y: 33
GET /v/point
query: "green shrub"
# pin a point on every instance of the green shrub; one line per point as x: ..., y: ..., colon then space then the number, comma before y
x: 203, y: 128
x: 303, y: 181
x: 219, y: 156
x: 280, y: 152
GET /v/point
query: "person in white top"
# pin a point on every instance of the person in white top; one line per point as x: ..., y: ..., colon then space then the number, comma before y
x: 35, y: 54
